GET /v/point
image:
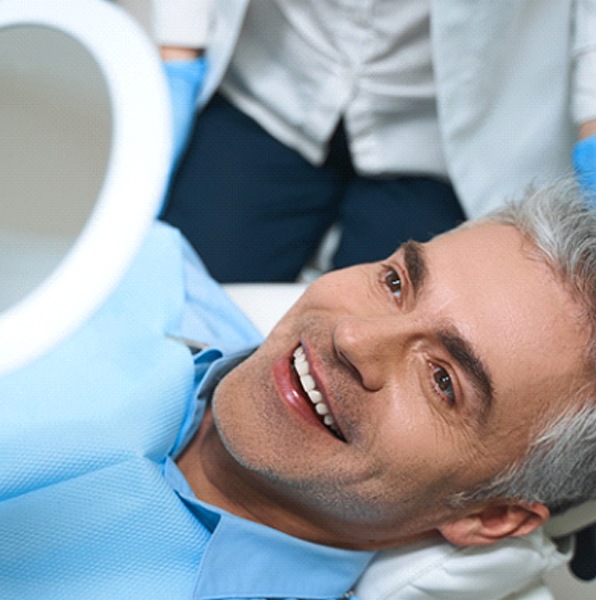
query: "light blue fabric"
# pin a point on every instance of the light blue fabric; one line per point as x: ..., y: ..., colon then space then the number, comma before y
x: 91, y: 505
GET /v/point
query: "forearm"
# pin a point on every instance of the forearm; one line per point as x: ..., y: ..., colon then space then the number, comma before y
x: 180, y: 53
x: 180, y: 29
x: 587, y: 129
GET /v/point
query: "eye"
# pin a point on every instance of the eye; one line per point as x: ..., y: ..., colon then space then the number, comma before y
x: 443, y: 383
x: 393, y: 282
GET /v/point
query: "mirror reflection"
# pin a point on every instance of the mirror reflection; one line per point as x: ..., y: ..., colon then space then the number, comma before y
x: 56, y: 132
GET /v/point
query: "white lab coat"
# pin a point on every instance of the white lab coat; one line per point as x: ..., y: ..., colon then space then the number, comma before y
x: 513, y: 79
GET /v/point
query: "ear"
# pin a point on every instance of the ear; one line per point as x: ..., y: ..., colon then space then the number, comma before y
x: 494, y: 522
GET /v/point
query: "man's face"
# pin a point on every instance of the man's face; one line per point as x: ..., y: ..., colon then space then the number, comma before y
x: 431, y: 368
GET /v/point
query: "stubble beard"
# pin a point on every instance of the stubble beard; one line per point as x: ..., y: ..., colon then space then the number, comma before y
x: 304, y: 485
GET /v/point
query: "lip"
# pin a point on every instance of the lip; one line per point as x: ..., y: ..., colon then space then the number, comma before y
x: 289, y: 388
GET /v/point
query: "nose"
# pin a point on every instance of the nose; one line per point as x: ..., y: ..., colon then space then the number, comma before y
x: 371, y: 348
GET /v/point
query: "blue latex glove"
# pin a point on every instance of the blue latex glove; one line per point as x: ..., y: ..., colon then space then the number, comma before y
x: 584, y: 161
x: 184, y: 82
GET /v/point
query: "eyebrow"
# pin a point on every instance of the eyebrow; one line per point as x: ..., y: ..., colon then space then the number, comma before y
x: 415, y: 264
x: 454, y: 343
x: 462, y: 352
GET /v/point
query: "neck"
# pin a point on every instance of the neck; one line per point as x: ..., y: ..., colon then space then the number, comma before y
x: 217, y: 479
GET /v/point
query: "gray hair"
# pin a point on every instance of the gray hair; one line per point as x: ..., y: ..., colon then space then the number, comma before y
x: 559, y: 467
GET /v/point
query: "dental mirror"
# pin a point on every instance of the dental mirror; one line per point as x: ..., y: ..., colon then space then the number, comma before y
x: 84, y: 159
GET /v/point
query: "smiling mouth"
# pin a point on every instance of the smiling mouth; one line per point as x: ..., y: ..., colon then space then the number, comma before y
x: 320, y: 408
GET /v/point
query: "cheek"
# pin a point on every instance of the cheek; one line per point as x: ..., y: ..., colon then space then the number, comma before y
x: 424, y: 447
x: 333, y: 293
x: 237, y: 416
x: 408, y: 439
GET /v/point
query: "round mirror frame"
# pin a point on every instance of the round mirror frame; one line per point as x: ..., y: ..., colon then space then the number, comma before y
x: 134, y: 183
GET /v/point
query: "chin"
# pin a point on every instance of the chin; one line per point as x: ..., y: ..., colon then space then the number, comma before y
x: 240, y: 418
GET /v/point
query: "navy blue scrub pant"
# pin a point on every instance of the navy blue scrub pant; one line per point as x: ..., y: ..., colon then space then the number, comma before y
x: 255, y: 210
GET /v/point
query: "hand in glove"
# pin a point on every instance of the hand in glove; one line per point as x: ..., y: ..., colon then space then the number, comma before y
x: 184, y: 82
x: 584, y: 162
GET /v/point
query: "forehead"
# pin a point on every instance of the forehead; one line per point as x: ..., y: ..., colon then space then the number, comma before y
x: 524, y: 323
x: 494, y: 270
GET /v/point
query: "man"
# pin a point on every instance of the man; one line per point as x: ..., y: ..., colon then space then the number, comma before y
x: 448, y: 389
x: 358, y: 420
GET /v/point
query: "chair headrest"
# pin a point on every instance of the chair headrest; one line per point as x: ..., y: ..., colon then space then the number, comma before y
x: 572, y: 520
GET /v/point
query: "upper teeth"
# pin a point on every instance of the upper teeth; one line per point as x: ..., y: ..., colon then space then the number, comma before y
x: 310, y: 387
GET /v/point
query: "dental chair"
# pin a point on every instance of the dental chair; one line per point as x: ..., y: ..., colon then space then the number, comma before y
x: 85, y: 162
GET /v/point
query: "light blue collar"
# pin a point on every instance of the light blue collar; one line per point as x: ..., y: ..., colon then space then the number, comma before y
x: 244, y: 559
